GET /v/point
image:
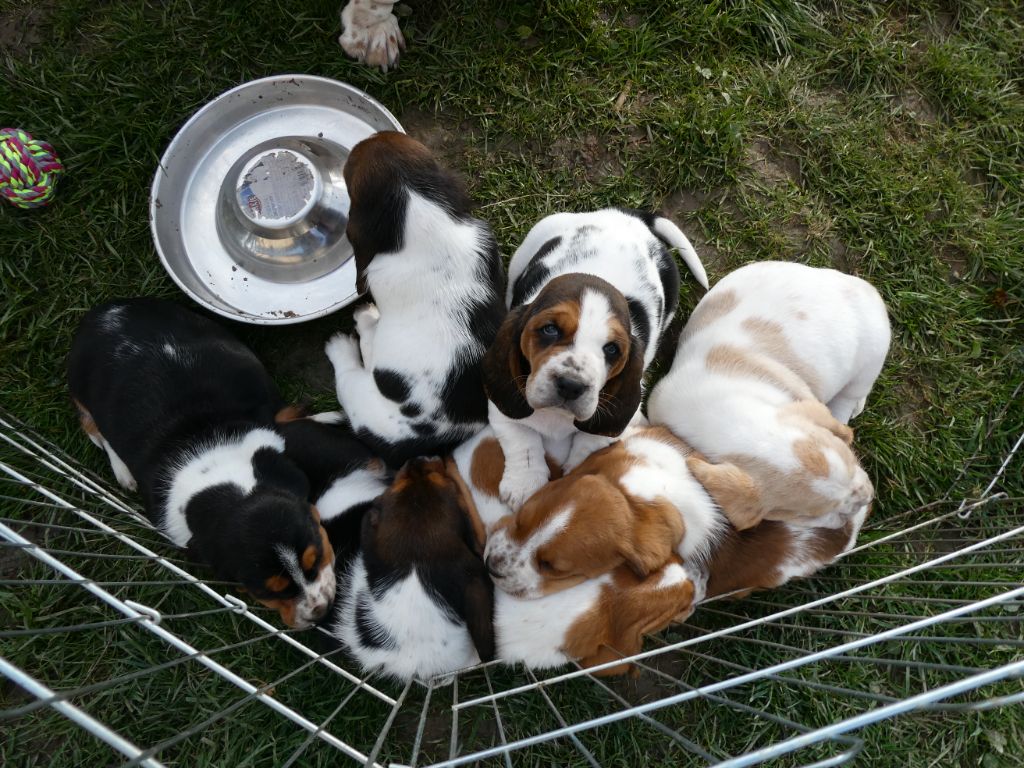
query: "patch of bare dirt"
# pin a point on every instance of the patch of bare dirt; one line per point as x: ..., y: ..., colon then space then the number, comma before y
x: 915, y: 106
x: 773, y: 165
x: 954, y: 257
x: 25, y: 27
x: 447, y: 139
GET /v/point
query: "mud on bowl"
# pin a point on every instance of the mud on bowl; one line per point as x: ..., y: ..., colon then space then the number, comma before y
x: 248, y: 207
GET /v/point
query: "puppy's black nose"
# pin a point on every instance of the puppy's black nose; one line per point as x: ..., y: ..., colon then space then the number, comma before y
x: 569, y: 389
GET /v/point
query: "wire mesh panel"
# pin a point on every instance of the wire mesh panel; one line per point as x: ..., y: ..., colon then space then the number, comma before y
x: 114, y: 647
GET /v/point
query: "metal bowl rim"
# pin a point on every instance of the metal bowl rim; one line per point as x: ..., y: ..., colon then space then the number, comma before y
x: 239, y: 315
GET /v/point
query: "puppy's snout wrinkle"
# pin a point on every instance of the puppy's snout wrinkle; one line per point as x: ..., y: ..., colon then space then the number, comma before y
x: 569, y: 389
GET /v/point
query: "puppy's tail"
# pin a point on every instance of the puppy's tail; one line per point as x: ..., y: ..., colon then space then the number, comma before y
x: 673, y: 235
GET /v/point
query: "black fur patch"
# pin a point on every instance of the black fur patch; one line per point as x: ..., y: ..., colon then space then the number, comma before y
x: 412, y: 410
x: 424, y: 428
x: 392, y: 385
x: 371, y: 633
x: 535, y: 274
x: 668, y: 271
x: 641, y: 322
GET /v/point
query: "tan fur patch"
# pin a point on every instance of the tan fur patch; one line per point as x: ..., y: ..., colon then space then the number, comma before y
x: 784, y: 495
x: 732, y: 489
x: 811, y: 457
x: 286, y: 608
x: 277, y: 583
x: 566, y: 315
x: 487, y: 467
x: 328, y: 550
x: 734, y: 361
x: 87, y: 421
x: 711, y: 308
x: 770, y: 338
x: 628, y: 609
x: 818, y: 413
x: 289, y: 413
x: 308, y: 558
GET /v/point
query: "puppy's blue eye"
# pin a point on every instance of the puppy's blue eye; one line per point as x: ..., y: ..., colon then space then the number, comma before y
x: 550, y: 331
x: 611, y: 350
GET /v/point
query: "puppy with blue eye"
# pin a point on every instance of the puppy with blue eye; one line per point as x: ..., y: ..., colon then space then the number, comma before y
x: 590, y: 295
x: 186, y: 415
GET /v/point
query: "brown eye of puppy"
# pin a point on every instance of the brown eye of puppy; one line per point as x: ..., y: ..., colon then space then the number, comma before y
x: 611, y: 351
x: 545, y: 565
x: 549, y: 331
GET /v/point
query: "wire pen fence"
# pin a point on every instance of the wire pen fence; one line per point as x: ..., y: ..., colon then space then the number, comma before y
x: 114, y: 648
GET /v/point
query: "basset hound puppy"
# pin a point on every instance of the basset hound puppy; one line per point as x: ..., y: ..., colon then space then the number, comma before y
x: 641, y: 503
x: 590, y: 295
x: 772, y: 364
x: 411, y: 385
x: 186, y: 415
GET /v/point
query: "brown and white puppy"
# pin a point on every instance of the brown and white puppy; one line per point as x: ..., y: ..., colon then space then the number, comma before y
x: 771, y: 365
x: 425, y: 613
x: 590, y: 295
x: 638, y: 503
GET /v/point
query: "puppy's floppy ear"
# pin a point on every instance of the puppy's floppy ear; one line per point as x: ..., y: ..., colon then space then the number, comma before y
x: 620, y: 396
x: 505, y: 368
x: 479, y: 616
x: 633, y: 611
x: 272, y: 468
x: 657, y: 531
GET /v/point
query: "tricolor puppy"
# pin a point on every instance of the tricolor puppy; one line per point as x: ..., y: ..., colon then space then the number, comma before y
x: 412, y: 385
x: 639, y: 504
x: 771, y: 366
x: 345, y: 477
x: 590, y: 295
x: 186, y: 414
x: 414, y: 597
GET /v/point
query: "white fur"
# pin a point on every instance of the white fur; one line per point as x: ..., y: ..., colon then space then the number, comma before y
x: 357, y: 487
x: 204, y: 466
x: 427, y: 640
x: 420, y: 327
x: 533, y: 632
x: 122, y: 474
x: 370, y: 33
x: 618, y: 248
x: 520, y: 576
x: 836, y: 325
x: 660, y: 471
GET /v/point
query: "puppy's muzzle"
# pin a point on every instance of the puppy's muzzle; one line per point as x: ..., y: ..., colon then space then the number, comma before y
x: 569, y: 389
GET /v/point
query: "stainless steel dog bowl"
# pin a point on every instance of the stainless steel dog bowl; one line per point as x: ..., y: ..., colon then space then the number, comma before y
x: 248, y: 207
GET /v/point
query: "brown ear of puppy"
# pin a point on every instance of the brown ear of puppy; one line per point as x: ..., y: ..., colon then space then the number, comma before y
x: 505, y: 368
x: 657, y: 531
x: 620, y: 397
x: 732, y: 489
x: 629, y: 609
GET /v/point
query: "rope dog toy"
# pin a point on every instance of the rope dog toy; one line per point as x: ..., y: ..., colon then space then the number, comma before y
x: 29, y: 169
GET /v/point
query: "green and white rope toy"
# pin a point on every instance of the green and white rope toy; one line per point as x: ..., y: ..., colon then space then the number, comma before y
x: 29, y: 169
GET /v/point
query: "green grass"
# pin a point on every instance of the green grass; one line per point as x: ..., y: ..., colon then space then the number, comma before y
x: 886, y: 139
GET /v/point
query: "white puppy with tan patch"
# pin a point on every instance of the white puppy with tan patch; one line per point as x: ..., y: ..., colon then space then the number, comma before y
x: 772, y: 364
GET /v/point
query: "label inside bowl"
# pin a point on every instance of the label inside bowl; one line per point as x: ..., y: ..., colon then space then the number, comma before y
x: 276, y: 187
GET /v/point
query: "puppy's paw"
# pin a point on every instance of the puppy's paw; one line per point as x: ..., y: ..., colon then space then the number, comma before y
x: 366, y: 317
x: 371, y: 34
x: 517, y: 487
x: 343, y: 352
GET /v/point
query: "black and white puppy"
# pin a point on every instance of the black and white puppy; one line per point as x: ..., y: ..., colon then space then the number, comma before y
x: 590, y: 295
x: 415, y: 600
x: 411, y: 385
x: 186, y: 415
